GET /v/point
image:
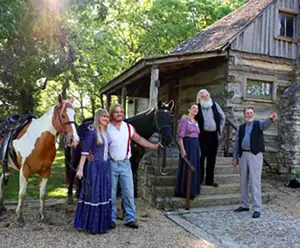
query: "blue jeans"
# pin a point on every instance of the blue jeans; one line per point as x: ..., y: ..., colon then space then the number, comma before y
x: 122, y: 169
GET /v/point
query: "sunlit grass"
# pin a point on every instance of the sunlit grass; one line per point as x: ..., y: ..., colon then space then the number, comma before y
x: 56, y: 187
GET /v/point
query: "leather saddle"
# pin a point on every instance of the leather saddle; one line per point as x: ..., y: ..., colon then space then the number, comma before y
x: 9, y: 129
x: 14, y: 121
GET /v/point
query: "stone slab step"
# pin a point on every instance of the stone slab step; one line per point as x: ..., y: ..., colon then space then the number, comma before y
x: 205, y: 190
x: 153, y: 180
x: 227, y: 178
x: 206, y: 200
x: 172, y: 171
x: 173, y: 162
x: 224, y: 169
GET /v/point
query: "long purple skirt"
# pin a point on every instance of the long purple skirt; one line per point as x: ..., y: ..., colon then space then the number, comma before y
x: 192, y: 149
x: 93, y: 212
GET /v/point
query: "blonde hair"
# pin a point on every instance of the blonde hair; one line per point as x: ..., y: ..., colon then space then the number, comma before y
x: 198, y: 95
x: 99, y: 113
x: 113, y: 108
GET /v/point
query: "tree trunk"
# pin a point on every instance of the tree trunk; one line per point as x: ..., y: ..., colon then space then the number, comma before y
x: 93, y: 105
x: 65, y: 87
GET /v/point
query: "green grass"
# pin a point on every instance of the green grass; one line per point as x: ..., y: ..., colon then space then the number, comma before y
x: 56, y: 187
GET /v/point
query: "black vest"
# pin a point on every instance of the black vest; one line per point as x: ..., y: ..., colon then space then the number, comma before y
x: 199, y: 117
x: 257, y: 143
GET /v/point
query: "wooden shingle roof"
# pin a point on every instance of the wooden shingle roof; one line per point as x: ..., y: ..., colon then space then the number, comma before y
x: 221, y: 33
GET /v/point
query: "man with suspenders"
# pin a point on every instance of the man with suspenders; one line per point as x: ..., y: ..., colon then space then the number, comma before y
x: 120, y: 133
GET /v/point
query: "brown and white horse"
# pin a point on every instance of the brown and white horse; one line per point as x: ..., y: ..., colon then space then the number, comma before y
x: 35, y: 150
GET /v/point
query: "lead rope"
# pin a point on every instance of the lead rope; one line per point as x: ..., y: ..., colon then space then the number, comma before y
x: 83, y: 177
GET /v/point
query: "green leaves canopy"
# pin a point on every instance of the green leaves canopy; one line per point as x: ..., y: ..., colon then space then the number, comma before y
x: 82, y: 46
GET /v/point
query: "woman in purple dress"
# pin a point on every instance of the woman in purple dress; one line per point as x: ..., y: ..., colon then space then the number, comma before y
x: 188, y: 131
x: 94, y: 205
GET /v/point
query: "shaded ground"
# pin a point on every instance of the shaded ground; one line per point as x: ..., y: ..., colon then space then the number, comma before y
x: 155, y: 230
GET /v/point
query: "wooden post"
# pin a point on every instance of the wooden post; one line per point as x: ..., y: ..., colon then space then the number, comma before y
x: 102, y: 101
x: 108, y: 101
x: 227, y: 138
x: 123, y: 98
x: 153, y: 94
x: 188, y: 188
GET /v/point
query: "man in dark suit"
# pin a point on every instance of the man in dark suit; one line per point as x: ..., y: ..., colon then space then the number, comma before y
x: 249, y: 145
x: 211, y: 120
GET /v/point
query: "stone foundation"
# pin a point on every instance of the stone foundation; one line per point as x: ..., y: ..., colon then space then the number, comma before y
x: 290, y: 129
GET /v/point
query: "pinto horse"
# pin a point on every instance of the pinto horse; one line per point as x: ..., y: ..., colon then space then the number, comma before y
x: 35, y: 148
x: 158, y: 119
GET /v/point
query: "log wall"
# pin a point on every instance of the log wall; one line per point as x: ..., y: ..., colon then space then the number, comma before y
x: 243, y: 66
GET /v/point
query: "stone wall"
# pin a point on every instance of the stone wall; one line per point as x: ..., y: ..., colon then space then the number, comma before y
x: 152, y: 186
x: 290, y: 124
x: 212, y: 79
x: 290, y: 129
x: 243, y: 66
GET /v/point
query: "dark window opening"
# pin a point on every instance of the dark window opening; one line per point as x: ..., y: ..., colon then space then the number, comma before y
x: 286, y: 25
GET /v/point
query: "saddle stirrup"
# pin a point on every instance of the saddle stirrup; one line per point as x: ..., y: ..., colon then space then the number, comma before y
x: 3, y: 155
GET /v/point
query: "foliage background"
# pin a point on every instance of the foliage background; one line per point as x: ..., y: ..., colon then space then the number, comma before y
x: 80, y: 45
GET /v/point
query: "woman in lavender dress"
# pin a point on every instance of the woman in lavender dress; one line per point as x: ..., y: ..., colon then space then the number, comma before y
x: 94, y: 205
x: 188, y: 131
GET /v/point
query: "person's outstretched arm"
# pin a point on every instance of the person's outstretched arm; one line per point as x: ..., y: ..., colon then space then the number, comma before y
x: 143, y: 142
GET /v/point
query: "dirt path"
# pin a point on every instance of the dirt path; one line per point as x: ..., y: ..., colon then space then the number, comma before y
x: 155, y: 230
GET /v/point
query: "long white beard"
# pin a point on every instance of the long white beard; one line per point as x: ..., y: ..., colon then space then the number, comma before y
x: 206, y: 103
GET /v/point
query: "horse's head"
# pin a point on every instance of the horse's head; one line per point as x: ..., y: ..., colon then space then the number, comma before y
x: 64, y: 121
x: 163, y: 121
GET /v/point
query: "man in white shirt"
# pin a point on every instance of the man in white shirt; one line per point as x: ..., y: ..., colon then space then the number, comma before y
x: 120, y: 153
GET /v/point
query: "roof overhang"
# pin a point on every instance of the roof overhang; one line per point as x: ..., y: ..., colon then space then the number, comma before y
x: 143, y: 67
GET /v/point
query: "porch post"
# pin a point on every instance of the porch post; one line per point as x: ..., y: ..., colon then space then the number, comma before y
x: 123, y: 98
x: 102, y: 101
x: 108, y: 101
x: 154, y: 84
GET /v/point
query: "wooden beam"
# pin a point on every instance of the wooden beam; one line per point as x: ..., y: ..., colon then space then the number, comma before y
x: 123, y: 77
x: 108, y: 101
x: 102, y: 101
x: 123, y: 98
x: 139, y: 69
x: 153, y: 93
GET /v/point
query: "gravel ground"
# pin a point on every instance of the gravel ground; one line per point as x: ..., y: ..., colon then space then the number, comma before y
x: 155, y: 230
x: 272, y: 230
x: 278, y: 226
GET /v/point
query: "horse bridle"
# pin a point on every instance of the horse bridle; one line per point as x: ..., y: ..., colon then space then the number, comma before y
x: 60, y: 120
x: 158, y: 128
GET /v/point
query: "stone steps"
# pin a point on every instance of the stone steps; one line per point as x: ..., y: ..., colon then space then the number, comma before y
x: 159, y: 190
x: 206, y: 200
x: 173, y: 162
x: 171, y: 180
x: 172, y: 171
x: 225, y: 169
x: 205, y: 190
x: 227, y: 178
